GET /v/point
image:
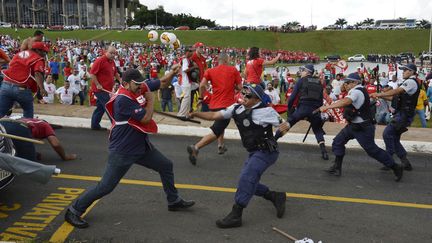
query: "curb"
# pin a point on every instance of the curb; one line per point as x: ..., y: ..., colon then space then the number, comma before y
x: 290, y: 138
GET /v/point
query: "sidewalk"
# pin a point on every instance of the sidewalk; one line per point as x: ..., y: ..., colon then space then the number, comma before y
x: 415, y: 140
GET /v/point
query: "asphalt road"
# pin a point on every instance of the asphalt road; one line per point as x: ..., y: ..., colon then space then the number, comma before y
x: 364, y: 205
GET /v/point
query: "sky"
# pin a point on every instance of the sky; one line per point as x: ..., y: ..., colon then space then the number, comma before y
x: 307, y: 12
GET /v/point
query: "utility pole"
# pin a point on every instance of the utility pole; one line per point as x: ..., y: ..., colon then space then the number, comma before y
x: 430, y: 36
x: 232, y: 14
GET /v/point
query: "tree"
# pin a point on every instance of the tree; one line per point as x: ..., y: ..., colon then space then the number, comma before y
x: 291, y: 24
x: 341, y: 22
x: 144, y: 16
x: 369, y: 21
x: 424, y: 23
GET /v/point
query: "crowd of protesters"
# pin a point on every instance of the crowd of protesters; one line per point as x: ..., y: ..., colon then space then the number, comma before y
x: 70, y: 62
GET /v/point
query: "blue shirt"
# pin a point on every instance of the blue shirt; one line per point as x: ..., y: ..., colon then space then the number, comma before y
x: 55, y: 66
x: 124, y: 138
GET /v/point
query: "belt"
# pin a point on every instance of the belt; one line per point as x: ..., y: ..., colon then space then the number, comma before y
x: 22, y: 86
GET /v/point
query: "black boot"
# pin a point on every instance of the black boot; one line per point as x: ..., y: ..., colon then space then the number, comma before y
x: 406, y: 164
x: 75, y: 220
x: 233, y: 219
x: 336, y: 168
x: 398, y: 171
x: 278, y: 199
x: 324, y: 154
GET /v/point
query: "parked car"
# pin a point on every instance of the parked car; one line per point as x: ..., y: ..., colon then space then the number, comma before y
x: 335, y: 57
x: 242, y: 28
x: 150, y: 27
x: 182, y: 28
x: 56, y: 27
x: 5, y: 25
x: 91, y: 27
x: 168, y: 27
x: 134, y: 27
x: 202, y: 28
x: 405, y: 56
x: 427, y: 56
x: 357, y: 58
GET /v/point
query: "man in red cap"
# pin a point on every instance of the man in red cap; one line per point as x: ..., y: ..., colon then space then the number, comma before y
x: 200, y: 61
x: 24, y: 76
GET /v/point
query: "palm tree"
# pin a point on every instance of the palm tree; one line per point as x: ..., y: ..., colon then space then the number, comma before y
x: 369, y: 21
x: 341, y: 22
x: 424, y: 23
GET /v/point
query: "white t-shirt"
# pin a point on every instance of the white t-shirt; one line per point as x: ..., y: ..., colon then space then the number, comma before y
x: 66, y: 95
x: 336, y: 84
x: 274, y: 96
x: 50, y: 89
x: 75, y: 81
x: 185, y: 66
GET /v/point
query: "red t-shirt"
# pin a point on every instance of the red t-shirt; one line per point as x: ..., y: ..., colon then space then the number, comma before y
x: 254, y: 69
x: 67, y: 71
x: 370, y: 88
x: 40, y: 129
x: 104, y: 69
x: 223, y: 79
x: 201, y: 62
x: 153, y: 72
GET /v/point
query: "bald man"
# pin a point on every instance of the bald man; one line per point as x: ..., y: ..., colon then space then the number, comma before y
x: 102, y: 75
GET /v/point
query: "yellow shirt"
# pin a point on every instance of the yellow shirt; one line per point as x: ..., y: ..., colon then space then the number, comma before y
x: 421, y: 99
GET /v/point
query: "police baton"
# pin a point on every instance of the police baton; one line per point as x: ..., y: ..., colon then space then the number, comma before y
x: 310, y: 126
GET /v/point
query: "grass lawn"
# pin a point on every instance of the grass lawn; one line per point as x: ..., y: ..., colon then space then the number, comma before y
x: 323, y: 43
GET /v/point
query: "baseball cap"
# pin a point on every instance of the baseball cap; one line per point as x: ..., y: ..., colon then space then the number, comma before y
x: 198, y: 44
x: 409, y: 66
x: 308, y: 67
x: 255, y: 89
x: 352, y: 77
x: 133, y: 75
x: 40, y: 46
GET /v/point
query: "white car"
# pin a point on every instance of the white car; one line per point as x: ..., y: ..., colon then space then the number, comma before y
x: 357, y: 58
x: 150, y: 27
x: 5, y: 25
x: 134, y: 27
x: 202, y: 28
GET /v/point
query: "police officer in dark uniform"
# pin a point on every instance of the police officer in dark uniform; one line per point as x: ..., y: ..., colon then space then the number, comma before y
x: 308, y: 91
x: 405, y: 98
x: 360, y: 127
x: 254, y: 120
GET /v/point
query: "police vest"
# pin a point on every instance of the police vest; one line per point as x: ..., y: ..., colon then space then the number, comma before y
x: 407, y: 103
x: 311, y: 90
x: 350, y: 112
x: 150, y: 127
x: 19, y: 70
x: 254, y: 137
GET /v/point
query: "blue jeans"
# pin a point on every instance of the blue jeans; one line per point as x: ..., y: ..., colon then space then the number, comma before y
x: 422, y: 116
x: 10, y: 93
x: 365, y: 136
x: 25, y: 150
x: 102, y: 99
x: 165, y: 103
x: 253, y: 168
x: 118, y: 165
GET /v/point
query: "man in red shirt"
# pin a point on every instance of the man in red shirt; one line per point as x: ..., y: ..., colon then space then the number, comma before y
x: 23, y: 76
x: 102, y: 75
x: 254, y: 67
x: 199, y: 59
x: 225, y: 79
x: 37, y: 129
x: 371, y: 87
